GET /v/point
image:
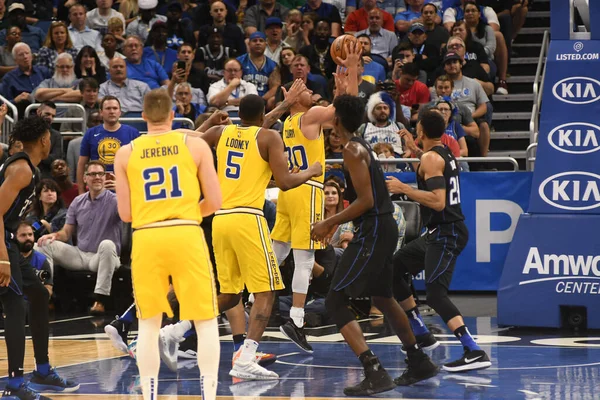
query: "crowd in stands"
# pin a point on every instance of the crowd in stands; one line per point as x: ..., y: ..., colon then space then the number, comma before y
x: 103, y: 56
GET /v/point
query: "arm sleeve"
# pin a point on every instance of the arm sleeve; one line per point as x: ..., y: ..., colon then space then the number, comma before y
x: 335, y: 16
x: 212, y: 91
x: 449, y: 16
x: 160, y: 72
x: 480, y: 94
x: 252, y: 88
x: 490, y: 41
x: 490, y: 15
x: 72, y: 213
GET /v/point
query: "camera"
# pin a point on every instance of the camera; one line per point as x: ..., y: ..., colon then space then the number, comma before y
x: 42, y: 275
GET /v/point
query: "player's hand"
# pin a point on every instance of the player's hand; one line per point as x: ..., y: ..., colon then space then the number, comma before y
x: 322, y: 231
x: 219, y: 118
x: 409, y: 141
x: 353, y: 54
x: 316, y: 169
x: 4, y: 274
x: 295, y: 91
x: 46, y: 239
x: 341, y: 81
x: 396, y: 187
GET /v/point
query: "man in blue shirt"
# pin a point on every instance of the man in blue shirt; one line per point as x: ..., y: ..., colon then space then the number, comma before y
x: 141, y: 68
x: 326, y: 11
x: 158, y: 50
x: 260, y: 69
x: 32, y: 35
x: 103, y: 141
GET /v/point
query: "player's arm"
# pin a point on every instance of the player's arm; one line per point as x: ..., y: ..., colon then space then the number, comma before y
x: 122, y: 183
x: 314, y: 118
x: 271, y: 145
x: 17, y: 176
x: 432, y: 168
x: 207, y: 176
x: 289, y: 98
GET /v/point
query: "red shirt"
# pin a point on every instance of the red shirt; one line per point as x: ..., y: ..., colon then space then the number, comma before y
x: 447, y: 141
x: 418, y: 93
x: 69, y: 195
x: 358, y: 20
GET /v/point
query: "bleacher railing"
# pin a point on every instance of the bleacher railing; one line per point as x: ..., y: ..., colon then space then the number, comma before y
x: 508, y: 160
x: 9, y: 120
x: 75, y: 106
x: 538, y: 91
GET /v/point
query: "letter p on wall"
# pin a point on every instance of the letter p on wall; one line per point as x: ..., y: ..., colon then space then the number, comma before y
x: 484, y: 236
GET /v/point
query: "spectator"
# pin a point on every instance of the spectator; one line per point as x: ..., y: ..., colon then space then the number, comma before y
x: 427, y: 57
x: 511, y: 14
x: 95, y: 218
x: 109, y: 44
x: 404, y: 53
x: 98, y: 17
x: 158, y: 50
x: 130, y: 10
x: 88, y: 87
x: 455, y: 13
x: 115, y: 27
x: 47, y: 110
x: 405, y: 19
x: 293, y: 32
x: 472, y: 69
x: 385, y: 151
x: 141, y: 68
x: 82, y: 35
x: 301, y: 70
x: 7, y: 61
x: 412, y: 93
x: 57, y: 42
x: 274, y: 39
x: 226, y: 93
x: 382, y: 40
x: 102, y: 142
x: 26, y: 242
x: 469, y: 92
x: 345, y: 7
x: 88, y: 65
x: 308, y: 27
x: 60, y: 174
x: 285, y: 62
x: 333, y: 151
x: 212, y: 57
x: 453, y: 129
x: 233, y: 37
x: 256, y: 16
x: 74, y: 147
x: 202, y: 16
x: 62, y: 87
x: 325, y: 11
x: 359, y: 20
x: 180, y: 30
x: 381, y: 126
x: 37, y: 10
x: 184, y: 108
x: 32, y: 35
x: 145, y: 20
x: 259, y: 69
x: 375, y: 66
x: 473, y: 52
x: 392, y: 7
x: 318, y: 53
x: 48, y: 212
x: 194, y: 76
x: 437, y: 35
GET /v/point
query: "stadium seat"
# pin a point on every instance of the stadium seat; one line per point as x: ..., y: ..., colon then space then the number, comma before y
x: 412, y: 215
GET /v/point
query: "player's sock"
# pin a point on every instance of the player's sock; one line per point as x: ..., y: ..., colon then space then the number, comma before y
x: 297, y: 315
x: 43, y: 369
x: 129, y: 315
x: 366, y: 359
x: 15, y: 382
x: 149, y: 387
x: 416, y: 322
x: 238, y: 341
x: 181, y: 328
x: 209, y: 350
x: 463, y: 334
x: 248, y: 352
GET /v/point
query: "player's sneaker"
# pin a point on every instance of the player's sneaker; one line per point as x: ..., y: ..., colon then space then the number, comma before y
x: 24, y: 392
x: 168, y: 345
x: 52, y: 383
x: 470, y: 361
x: 187, y: 350
x: 420, y: 367
x: 117, y: 331
x: 376, y: 380
x: 296, y: 335
x: 262, y: 359
x: 251, y: 371
x: 426, y: 342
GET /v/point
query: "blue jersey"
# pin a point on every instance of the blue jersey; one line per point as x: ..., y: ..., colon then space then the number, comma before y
x: 260, y: 78
x: 455, y: 130
x: 100, y: 144
x: 148, y: 71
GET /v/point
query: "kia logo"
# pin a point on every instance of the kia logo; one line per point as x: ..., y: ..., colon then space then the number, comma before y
x: 577, y: 90
x: 575, y: 138
x: 572, y: 190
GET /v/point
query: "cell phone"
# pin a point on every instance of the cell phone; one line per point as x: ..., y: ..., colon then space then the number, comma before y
x: 181, y: 65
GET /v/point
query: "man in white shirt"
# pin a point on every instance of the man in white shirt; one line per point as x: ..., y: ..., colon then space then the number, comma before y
x: 227, y: 93
x: 81, y: 34
x: 99, y: 16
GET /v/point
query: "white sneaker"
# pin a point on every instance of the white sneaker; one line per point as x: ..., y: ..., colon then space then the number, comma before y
x: 168, y: 345
x: 188, y: 354
x: 251, y: 371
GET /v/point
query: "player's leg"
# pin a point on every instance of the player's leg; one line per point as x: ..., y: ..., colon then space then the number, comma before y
x: 118, y: 329
x: 148, y: 358
x: 209, y: 351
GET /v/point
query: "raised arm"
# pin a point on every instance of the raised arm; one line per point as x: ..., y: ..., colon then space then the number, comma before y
x: 289, y: 98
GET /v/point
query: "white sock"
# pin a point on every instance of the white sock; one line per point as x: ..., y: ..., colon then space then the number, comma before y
x: 248, y: 352
x: 180, y: 328
x: 149, y: 387
x: 297, y: 315
x: 209, y: 350
x: 148, y: 358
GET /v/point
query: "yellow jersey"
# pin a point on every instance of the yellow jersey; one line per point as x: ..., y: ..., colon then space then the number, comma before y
x: 243, y: 173
x: 302, y: 152
x: 163, y: 180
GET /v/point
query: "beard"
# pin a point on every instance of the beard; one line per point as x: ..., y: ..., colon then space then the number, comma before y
x: 64, y: 81
x: 382, y: 118
x: 26, y: 246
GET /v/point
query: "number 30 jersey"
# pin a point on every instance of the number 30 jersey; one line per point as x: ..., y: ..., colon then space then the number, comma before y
x: 302, y: 152
x: 453, y: 211
x: 163, y: 180
x: 243, y: 173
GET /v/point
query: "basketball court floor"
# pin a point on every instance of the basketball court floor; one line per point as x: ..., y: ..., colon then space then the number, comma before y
x: 527, y: 364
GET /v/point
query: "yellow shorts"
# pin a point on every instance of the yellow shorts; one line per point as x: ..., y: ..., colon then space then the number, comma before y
x: 297, y: 209
x: 180, y: 252
x: 243, y: 252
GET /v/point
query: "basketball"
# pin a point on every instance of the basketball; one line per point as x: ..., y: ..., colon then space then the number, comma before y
x: 338, y: 47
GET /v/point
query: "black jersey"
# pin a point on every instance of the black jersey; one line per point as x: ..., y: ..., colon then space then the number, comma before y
x: 453, y: 211
x: 382, y: 204
x: 25, y: 198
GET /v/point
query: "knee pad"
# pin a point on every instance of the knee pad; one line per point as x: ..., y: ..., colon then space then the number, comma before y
x: 437, y: 298
x: 281, y: 249
x: 336, y: 304
x: 304, y: 261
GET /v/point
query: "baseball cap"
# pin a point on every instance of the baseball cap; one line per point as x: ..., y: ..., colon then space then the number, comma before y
x: 451, y: 56
x: 16, y: 6
x: 417, y: 27
x: 273, y: 21
x: 147, y: 4
x: 257, y: 35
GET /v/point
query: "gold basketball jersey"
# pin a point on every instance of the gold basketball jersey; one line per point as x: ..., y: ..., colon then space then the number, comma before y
x: 302, y: 152
x: 163, y: 180
x: 243, y: 173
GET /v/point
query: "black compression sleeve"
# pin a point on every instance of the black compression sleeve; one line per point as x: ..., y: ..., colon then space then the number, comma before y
x: 437, y: 182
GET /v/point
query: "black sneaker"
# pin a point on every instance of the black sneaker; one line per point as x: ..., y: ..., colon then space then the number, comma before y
x: 117, y: 331
x: 470, y: 361
x: 426, y: 342
x: 296, y: 335
x: 24, y: 392
x: 376, y: 380
x: 420, y: 367
x: 52, y: 383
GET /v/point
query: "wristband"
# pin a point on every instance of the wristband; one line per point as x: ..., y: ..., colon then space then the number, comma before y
x: 5, y: 262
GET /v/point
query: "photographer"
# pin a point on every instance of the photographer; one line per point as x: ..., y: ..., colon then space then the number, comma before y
x: 37, y: 260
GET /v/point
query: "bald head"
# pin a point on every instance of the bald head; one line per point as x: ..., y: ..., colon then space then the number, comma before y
x: 218, y: 12
x: 118, y: 69
x: 375, y: 20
